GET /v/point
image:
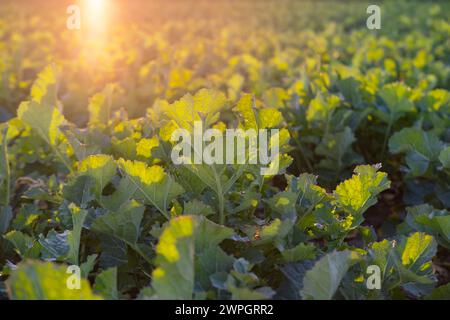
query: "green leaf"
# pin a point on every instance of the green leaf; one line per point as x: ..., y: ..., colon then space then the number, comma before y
x: 215, y: 177
x: 405, y: 264
x: 322, y: 281
x: 189, y: 180
x: 248, y: 294
x: 206, y: 105
x: 100, y: 106
x: 195, y: 207
x: 276, y: 97
x: 125, y: 190
x: 124, y: 148
x: 418, y: 249
x: 82, y: 142
x: 350, y: 89
x: 381, y: 254
x: 440, y: 293
x: 359, y: 193
x: 78, y: 218
x: 145, y: 146
x: 25, y: 245
x: 209, y: 234
x: 283, y: 202
x: 183, y: 240
x: 101, y: 169
x: 294, y: 274
x: 6, y: 216
x: 45, y: 121
x: 42, y: 113
x: 210, y: 262
x: 337, y: 144
x: 124, y: 225
x: 25, y: 217
x: 174, y: 276
x: 337, y: 150
x: 273, y: 232
x: 146, y: 293
x: 322, y: 107
x: 309, y: 194
x: 45, y: 88
x: 34, y: 280
x: 444, y: 157
x: 417, y: 163
x: 438, y: 100
x: 248, y: 201
x: 444, y: 223
x: 269, y: 118
x: 79, y: 190
x: 300, y: 252
x: 420, y: 147
x: 209, y: 102
x: 5, y: 175
x: 55, y: 245
x: 413, y: 139
x: 87, y: 266
x: 245, y: 107
x: 153, y: 185
x: 397, y: 98
x: 114, y: 252
x: 427, y: 219
x: 414, y: 263
x: 106, y: 284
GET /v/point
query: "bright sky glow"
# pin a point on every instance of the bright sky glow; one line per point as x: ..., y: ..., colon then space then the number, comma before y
x: 95, y: 15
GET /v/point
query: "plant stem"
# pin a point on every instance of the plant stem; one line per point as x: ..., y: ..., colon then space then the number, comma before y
x: 221, y: 209
x: 4, y: 151
x: 220, y: 197
x: 386, y: 137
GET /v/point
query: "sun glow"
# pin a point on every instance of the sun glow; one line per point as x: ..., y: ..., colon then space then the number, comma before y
x: 96, y: 5
x: 96, y: 16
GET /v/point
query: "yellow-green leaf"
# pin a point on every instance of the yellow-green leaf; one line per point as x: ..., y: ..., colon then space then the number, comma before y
x: 358, y: 193
x: 34, y: 280
x: 144, y: 146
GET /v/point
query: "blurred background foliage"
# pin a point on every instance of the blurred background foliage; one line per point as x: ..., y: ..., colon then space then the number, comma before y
x: 164, y: 49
